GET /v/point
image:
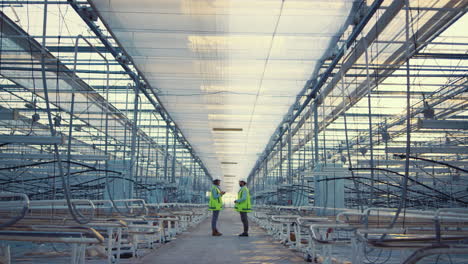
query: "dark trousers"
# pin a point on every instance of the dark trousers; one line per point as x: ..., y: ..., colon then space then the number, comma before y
x: 245, y: 221
x: 214, y: 219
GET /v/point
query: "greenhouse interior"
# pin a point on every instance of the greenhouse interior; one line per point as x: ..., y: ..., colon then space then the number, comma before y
x: 156, y: 131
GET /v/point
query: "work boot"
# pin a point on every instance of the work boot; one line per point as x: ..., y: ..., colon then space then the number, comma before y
x: 244, y: 234
x: 216, y: 233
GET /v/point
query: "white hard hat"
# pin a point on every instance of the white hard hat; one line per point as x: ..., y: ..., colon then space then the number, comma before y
x: 243, y: 180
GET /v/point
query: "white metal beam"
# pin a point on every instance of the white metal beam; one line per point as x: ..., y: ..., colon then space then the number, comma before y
x: 31, y: 140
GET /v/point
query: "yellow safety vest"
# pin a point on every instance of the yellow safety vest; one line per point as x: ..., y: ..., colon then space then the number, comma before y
x: 215, y: 204
x: 244, y: 206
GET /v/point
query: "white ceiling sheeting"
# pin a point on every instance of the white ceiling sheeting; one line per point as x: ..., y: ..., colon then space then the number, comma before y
x: 226, y: 64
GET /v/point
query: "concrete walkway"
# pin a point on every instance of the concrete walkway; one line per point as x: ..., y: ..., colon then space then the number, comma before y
x: 198, y: 246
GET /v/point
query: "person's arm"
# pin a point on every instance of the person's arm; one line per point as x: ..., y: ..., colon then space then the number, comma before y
x: 243, y: 198
x: 214, y: 193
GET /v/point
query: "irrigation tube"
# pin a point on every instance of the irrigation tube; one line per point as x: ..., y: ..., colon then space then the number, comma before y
x: 106, y: 171
x: 435, y: 250
x: 408, y: 123
x: 356, y: 185
x: 401, y: 156
x: 72, y: 109
x: 49, y: 117
x: 23, y: 212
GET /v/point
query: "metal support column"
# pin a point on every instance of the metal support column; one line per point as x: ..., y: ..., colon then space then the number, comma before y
x: 173, y: 169
x: 133, y: 142
x: 166, y: 152
x: 280, y: 175
x: 289, y: 180
x: 369, y: 107
x: 316, y: 129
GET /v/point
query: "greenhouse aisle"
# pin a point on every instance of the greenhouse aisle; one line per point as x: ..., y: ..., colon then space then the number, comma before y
x: 198, y: 246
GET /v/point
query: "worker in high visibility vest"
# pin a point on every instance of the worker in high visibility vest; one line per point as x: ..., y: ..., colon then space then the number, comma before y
x: 215, y: 205
x: 243, y: 206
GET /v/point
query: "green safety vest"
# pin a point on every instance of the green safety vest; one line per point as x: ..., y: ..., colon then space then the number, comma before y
x: 215, y: 204
x: 244, y: 206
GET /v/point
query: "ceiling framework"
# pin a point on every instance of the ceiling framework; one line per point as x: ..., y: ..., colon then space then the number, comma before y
x: 227, y: 71
x: 116, y: 116
x: 162, y: 96
x: 395, y: 90
x: 347, y: 119
x: 88, y: 116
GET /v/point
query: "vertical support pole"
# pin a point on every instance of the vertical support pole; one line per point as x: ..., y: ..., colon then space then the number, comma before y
x: 74, y: 254
x: 127, y: 92
x: 195, y: 177
x: 138, y: 166
x: 196, y: 183
x: 157, y: 151
x: 82, y: 253
x: 304, y: 152
x: 265, y: 179
x: 289, y: 179
x: 181, y: 176
x: 350, y: 164
x: 148, y: 162
x: 174, y: 143
x: 119, y: 244
x: 134, y: 141
x: 65, y: 182
x: 369, y: 108
x: 281, y: 159
x: 5, y: 253
x: 404, y: 180
x: 408, y: 109
x: 289, y: 155
x: 316, y: 144
x: 324, y: 140
x: 110, y: 245
x: 192, y: 179
x: 166, y: 152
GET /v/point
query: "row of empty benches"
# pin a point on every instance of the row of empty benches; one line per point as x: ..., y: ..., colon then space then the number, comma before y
x: 104, y: 230
x: 369, y: 235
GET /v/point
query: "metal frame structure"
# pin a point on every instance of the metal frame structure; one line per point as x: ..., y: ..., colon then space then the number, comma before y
x: 108, y: 127
x: 388, y: 108
x: 103, y: 107
x: 381, y: 125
